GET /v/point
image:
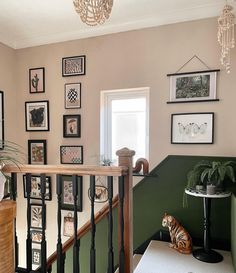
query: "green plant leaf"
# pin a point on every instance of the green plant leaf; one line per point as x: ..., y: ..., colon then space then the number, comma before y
x: 205, y: 174
x: 230, y: 173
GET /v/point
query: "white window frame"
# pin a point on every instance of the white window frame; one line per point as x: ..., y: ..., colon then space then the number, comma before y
x: 105, y: 115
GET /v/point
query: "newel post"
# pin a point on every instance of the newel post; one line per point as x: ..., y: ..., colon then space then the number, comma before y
x: 126, y: 159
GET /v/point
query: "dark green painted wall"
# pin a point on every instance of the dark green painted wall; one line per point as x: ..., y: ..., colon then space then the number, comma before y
x: 154, y: 196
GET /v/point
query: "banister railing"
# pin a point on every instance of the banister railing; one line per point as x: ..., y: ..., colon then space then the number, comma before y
x: 124, y: 199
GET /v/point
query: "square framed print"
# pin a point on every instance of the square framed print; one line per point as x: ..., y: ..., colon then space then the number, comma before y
x: 73, y: 66
x: 37, y: 152
x: 37, y: 80
x: 36, y: 256
x: 192, y: 128
x: 72, y: 95
x: 71, y: 154
x: 193, y: 86
x: 1, y: 120
x: 37, y: 115
x: 36, y: 187
x: 36, y: 216
x: 67, y: 202
x: 71, y: 126
x: 36, y: 236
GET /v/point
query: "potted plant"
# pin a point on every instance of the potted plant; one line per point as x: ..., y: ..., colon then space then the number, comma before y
x: 211, y: 175
x: 8, y: 155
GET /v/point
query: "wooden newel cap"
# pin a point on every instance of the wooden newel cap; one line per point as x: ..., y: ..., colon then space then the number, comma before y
x: 7, y: 211
x: 125, y: 152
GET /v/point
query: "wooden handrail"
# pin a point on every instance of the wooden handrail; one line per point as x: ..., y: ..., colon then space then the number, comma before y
x: 62, y: 169
x: 83, y: 230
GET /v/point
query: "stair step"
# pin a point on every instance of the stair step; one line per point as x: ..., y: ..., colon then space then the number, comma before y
x: 136, y: 260
x: 159, y: 258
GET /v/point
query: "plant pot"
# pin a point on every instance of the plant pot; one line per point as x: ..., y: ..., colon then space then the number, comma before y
x: 211, y: 189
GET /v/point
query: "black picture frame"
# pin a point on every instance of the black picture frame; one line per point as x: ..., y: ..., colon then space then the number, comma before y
x: 1, y: 120
x: 37, y: 116
x: 72, y: 95
x: 37, y: 80
x: 192, y: 128
x: 37, y: 151
x: 71, y: 154
x: 74, y: 66
x: 67, y: 201
x: 71, y: 126
x: 36, y: 186
x: 36, y: 216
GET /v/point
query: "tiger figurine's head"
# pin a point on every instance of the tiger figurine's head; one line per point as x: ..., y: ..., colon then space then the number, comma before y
x: 168, y: 220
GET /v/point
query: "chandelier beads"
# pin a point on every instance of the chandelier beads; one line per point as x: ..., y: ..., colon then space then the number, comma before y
x: 93, y: 12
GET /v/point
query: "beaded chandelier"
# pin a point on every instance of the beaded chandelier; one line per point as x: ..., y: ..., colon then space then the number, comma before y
x: 93, y: 12
x: 226, y: 35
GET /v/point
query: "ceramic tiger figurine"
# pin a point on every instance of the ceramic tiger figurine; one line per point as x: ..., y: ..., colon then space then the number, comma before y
x: 180, y: 238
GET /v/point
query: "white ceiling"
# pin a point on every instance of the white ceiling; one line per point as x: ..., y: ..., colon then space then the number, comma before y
x: 26, y: 23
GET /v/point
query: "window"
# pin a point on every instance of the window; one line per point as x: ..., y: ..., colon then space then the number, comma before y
x: 124, y: 122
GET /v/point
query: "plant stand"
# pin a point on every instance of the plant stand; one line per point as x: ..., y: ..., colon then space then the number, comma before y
x: 7, y: 216
x: 206, y: 254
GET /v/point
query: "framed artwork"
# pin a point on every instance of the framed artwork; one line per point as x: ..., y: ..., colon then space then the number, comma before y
x: 73, y: 66
x: 71, y: 126
x: 36, y: 236
x: 192, y: 128
x: 36, y: 256
x: 72, y: 95
x: 68, y: 228
x: 37, y: 80
x: 37, y: 152
x: 193, y: 86
x: 67, y: 202
x: 71, y: 154
x: 36, y: 216
x: 1, y: 120
x: 101, y: 194
x: 36, y: 187
x: 37, y: 115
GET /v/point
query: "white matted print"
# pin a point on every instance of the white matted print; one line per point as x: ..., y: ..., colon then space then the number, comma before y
x: 192, y: 128
x: 72, y: 95
x: 37, y: 115
x: 193, y: 86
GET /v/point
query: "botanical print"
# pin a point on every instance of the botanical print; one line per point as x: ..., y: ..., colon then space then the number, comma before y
x: 68, y: 193
x: 36, y: 80
x: 72, y: 95
x: 71, y: 126
x: 36, y: 187
x: 71, y: 154
x: 193, y: 86
x: 36, y: 236
x: 36, y: 216
x: 37, y: 153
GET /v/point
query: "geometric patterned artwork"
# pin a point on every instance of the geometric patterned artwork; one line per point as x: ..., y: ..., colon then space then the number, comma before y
x: 71, y: 154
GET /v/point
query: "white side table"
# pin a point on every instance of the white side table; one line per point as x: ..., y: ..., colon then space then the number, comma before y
x: 206, y: 254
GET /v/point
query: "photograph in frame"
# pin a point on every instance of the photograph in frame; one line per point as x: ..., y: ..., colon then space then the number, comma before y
x: 71, y: 154
x: 73, y: 66
x: 37, y: 80
x: 71, y: 125
x: 36, y: 236
x: 68, y: 228
x: 72, y: 95
x: 36, y: 188
x: 192, y: 128
x: 37, y: 152
x: 67, y: 202
x: 193, y: 86
x: 37, y: 115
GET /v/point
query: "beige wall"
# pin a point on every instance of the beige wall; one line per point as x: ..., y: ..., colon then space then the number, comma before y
x: 125, y: 60
x: 8, y: 85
